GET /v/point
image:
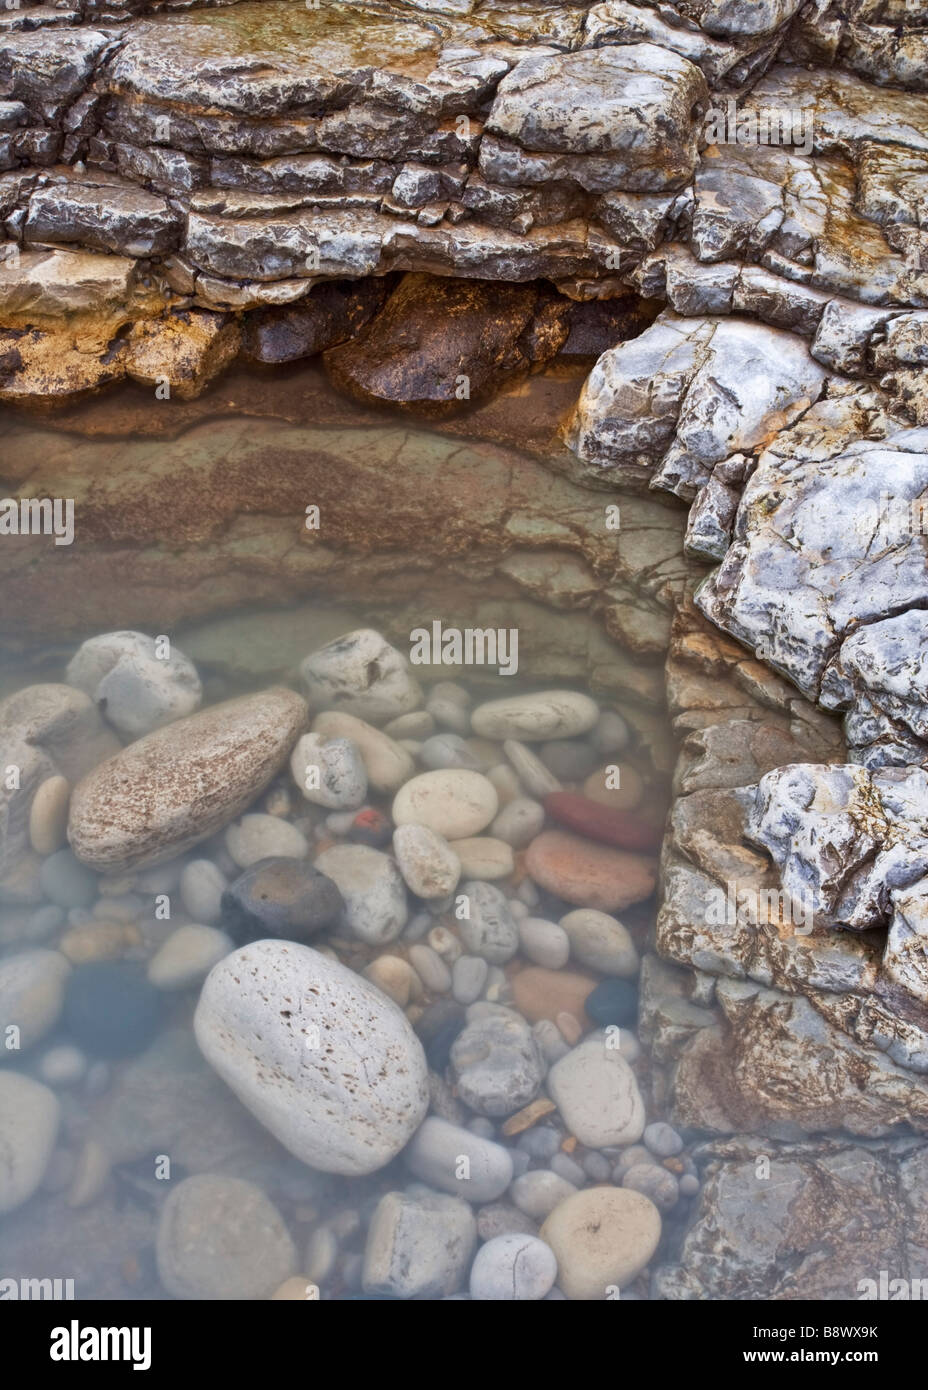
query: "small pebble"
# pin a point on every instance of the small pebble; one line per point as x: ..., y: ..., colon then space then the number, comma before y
x: 610, y: 733
x: 513, y: 1268
x: 500, y: 1219
x: 202, y: 885
x: 468, y: 977
x: 63, y: 1065
x: 566, y: 1168
x: 431, y: 969
x: 597, y: 1167
x: 653, y: 1182
x: 544, y: 942
x: 541, y: 1143
x: 187, y: 957
x: 663, y: 1140
x: 539, y: 1192
x: 48, y: 815
x: 519, y: 821
x: 256, y: 837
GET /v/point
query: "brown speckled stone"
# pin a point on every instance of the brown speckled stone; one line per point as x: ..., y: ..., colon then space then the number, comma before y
x: 180, y: 784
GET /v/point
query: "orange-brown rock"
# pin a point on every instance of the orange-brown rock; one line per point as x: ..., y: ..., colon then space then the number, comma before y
x: 539, y: 993
x: 589, y: 874
x: 440, y: 344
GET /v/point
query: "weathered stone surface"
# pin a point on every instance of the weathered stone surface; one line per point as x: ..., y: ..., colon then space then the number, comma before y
x: 182, y: 352
x: 45, y: 284
x: 801, y: 598
x: 134, y: 687
x: 822, y: 1226
x: 105, y: 217
x: 47, y: 70
x: 180, y: 784
x: 606, y: 118
x: 439, y: 344
x: 778, y: 1066
x: 670, y: 405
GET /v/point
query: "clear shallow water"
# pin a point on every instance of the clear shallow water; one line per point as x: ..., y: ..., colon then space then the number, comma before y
x: 139, y: 1110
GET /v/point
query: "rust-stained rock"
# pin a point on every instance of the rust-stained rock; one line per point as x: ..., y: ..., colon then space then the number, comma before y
x: 183, y: 352
x: 440, y: 344
x: 40, y: 368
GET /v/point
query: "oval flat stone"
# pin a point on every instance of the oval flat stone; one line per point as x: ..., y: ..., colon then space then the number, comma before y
x: 624, y: 829
x: 29, y: 1118
x: 538, y: 717
x: 603, y: 1238
x: 182, y: 783
x: 597, y: 1094
x: 453, y: 802
x: 539, y: 993
x: 589, y: 874
x: 321, y: 1057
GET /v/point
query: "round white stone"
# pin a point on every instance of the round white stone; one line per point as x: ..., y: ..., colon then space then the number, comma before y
x: 32, y: 985
x: 136, y: 688
x: 202, y: 884
x: 544, y: 942
x: 329, y: 772
x: 361, y: 674
x: 388, y: 765
x: 597, y: 1094
x: 454, y: 802
x: 513, y: 1268
x: 426, y: 860
x: 319, y: 1055
x: 601, y: 942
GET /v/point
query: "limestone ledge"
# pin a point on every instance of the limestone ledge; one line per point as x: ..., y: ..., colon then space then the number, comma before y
x: 237, y: 155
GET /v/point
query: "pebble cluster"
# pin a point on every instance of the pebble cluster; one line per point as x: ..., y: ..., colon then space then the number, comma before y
x: 391, y: 913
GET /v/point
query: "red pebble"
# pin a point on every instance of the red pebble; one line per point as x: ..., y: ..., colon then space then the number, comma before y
x: 626, y: 829
x: 370, y: 827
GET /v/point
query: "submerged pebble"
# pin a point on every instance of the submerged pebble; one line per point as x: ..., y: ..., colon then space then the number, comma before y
x: 280, y: 897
